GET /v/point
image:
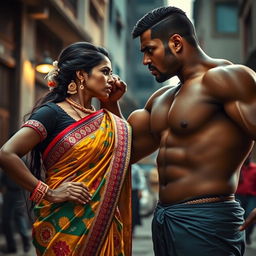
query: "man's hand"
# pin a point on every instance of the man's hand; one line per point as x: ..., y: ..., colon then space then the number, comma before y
x: 249, y: 220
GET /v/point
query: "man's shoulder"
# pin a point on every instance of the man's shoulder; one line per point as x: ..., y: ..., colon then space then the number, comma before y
x: 171, y: 89
x: 227, y: 70
x: 228, y: 81
x: 228, y: 77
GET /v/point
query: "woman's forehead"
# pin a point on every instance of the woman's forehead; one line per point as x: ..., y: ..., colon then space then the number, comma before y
x: 105, y: 62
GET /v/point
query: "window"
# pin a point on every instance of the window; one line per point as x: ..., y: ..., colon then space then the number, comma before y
x: 71, y: 5
x: 4, y: 126
x: 118, y: 23
x: 226, y: 17
x: 248, y: 33
x: 110, y: 10
x: 6, y: 86
x: 95, y: 15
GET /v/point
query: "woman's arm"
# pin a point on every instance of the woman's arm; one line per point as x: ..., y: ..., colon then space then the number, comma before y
x: 10, y: 161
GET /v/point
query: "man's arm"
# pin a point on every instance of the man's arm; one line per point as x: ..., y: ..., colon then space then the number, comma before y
x: 143, y: 141
x: 235, y: 87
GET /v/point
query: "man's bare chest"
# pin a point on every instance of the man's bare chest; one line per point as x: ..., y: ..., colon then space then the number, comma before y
x: 183, y: 113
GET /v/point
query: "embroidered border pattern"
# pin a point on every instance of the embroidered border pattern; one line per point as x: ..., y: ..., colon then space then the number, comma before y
x: 71, y: 138
x: 38, y: 127
x: 113, y: 189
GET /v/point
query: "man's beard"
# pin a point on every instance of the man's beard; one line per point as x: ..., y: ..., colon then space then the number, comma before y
x: 161, y: 78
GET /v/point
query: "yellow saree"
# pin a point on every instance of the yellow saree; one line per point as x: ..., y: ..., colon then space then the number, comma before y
x: 96, y: 151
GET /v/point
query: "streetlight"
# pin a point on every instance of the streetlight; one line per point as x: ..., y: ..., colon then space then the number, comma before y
x: 46, y: 65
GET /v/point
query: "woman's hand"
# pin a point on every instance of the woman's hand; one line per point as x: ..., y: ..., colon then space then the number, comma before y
x: 69, y: 191
x: 111, y: 103
x: 249, y: 220
x: 119, y: 88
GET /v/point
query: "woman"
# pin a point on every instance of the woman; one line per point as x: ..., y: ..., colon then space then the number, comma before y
x: 85, y: 154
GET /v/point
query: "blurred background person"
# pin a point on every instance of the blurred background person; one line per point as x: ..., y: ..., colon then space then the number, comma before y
x: 14, y: 215
x: 138, y: 184
x: 246, y: 191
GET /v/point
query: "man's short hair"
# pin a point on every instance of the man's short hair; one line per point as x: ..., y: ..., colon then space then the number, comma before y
x: 164, y: 22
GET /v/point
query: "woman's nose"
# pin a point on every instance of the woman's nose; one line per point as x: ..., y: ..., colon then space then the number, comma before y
x: 111, y: 78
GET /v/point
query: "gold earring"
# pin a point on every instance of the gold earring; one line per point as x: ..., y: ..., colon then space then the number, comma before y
x: 81, y: 84
x: 72, y: 88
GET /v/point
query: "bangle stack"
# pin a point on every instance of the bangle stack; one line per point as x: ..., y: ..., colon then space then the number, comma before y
x: 39, y: 192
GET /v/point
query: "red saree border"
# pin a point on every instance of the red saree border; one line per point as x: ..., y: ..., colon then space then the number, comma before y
x: 118, y: 167
x: 70, y: 136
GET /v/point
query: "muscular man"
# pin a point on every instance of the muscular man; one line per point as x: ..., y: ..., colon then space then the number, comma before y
x: 204, y: 128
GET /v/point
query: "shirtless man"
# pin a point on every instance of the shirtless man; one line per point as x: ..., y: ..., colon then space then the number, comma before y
x: 204, y: 129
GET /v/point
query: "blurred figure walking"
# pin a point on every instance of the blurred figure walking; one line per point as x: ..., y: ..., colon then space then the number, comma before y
x: 246, y: 191
x: 138, y: 184
x: 14, y: 216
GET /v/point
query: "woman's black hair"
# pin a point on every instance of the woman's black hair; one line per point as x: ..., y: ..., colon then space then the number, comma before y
x: 77, y: 56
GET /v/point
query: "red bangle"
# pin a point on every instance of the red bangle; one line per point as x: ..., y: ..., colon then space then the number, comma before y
x: 39, y: 192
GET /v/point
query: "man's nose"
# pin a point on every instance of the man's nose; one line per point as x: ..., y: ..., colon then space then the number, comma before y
x: 146, y: 60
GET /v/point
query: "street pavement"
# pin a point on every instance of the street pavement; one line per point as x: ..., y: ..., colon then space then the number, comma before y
x: 142, y: 241
x: 19, y: 247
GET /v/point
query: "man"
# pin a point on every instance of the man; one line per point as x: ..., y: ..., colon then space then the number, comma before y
x: 204, y: 129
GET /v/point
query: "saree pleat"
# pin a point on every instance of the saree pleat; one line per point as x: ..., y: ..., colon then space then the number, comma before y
x: 96, y: 151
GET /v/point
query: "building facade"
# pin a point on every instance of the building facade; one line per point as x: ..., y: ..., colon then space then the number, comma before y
x: 217, y: 27
x: 34, y: 30
x: 247, y: 15
x: 27, y: 33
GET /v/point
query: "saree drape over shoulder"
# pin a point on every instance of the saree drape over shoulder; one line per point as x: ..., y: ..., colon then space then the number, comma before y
x: 96, y: 151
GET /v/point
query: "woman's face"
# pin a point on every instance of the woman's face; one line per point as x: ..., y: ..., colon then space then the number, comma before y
x: 99, y: 80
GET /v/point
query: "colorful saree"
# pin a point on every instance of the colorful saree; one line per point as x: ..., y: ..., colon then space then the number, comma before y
x: 96, y: 151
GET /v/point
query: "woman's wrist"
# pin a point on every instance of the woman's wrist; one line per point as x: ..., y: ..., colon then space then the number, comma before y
x: 39, y: 192
x: 49, y: 195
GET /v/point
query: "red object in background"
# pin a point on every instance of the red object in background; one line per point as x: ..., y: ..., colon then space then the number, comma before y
x: 247, y: 180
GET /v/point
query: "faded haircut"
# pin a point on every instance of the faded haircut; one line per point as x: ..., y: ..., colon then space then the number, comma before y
x: 164, y: 22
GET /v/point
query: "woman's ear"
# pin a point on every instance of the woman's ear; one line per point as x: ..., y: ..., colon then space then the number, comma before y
x: 82, y: 75
x: 175, y: 43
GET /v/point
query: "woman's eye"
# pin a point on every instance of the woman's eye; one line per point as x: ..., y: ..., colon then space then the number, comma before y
x: 105, y: 72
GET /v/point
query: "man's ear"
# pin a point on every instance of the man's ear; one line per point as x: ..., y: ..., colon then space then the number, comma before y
x: 175, y: 43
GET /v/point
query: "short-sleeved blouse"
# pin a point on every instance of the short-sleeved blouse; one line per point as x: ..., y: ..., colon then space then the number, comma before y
x: 48, y: 121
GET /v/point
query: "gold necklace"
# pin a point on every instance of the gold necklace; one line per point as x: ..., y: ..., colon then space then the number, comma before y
x: 80, y: 107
